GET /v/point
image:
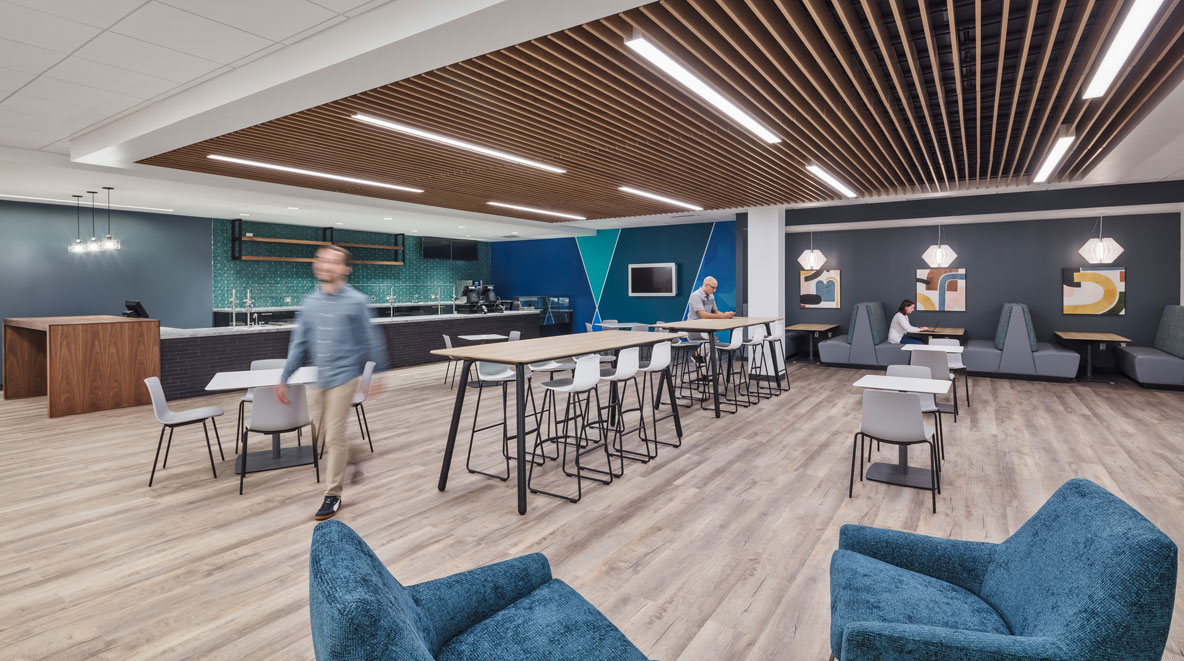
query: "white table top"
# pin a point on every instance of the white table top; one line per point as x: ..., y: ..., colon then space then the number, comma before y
x: 483, y: 338
x: 933, y: 347
x: 903, y: 384
x: 259, y: 378
x: 624, y: 325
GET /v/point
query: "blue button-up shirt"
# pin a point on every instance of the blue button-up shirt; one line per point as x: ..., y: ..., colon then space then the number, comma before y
x: 334, y: 332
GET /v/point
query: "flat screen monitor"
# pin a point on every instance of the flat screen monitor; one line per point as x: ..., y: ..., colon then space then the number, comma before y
x: 433, y: 248
x: 464, y: 250
x: 135, y: 310
x: 653, y: 279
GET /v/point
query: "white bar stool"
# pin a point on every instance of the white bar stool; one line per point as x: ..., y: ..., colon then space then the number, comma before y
x: 583, y: 382
x: 653, y: 372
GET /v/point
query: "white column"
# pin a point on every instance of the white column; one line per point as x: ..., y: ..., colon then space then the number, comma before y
x: 1182, y: 259
x: 766, y: 264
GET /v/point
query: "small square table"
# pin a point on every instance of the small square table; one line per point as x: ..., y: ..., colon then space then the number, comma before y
x: 277, y: 457
x: 812, y: 331
x: 901, y: 473
x: 484, y: 337
x: 1090, y: 339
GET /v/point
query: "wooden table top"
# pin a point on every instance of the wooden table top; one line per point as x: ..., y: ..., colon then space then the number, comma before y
x: 1091, y: 337
x: 709, y: 325
x: 943, y: 331
x: 538, y: 349
x: 43, y: 323
x: 812, y: 327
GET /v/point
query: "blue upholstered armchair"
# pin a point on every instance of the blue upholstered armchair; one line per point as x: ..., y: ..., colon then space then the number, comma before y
x: 508, y: 610
x: 1087, y: 577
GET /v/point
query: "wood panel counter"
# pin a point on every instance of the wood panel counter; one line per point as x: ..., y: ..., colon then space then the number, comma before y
x: 83, y: 364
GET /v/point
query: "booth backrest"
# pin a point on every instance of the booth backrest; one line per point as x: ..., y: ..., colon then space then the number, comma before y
x: 1004, y: 322
x: 875, y: 319
x: 1170, y: 336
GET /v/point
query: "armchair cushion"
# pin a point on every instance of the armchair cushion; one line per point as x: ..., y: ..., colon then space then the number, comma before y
x: 1169, y: 337
x: 885, y: 641
x: 961, y: 563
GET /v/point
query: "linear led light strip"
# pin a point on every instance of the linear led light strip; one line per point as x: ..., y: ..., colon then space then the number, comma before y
x: 436, y: 137
x: 660, y: 198
x: 1059, y: 148
x: 1133, y: 26
x: 695, y: 84
x: 54, y: 199
x: 831, y: 180
x: 313, y: 173
x: 534, y: 210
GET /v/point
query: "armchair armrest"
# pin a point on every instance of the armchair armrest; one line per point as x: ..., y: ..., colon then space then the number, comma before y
x: 888, y: 641
x: 455, y: 603
x: 954, y: 561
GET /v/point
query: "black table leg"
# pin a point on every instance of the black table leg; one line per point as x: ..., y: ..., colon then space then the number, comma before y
x: 520, y: 383
x: 1089, y: 361
x: 711, y: 358
x: 673, y: 401
x: 456, y: 408
x: 773, y: 360
x: 811, y: 338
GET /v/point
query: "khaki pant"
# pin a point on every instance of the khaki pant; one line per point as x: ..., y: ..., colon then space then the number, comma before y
x: 333, y: 406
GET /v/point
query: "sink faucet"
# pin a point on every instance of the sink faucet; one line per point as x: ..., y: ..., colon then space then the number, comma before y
x: 233, y: 301
x: 390, y: 301
x: 248, y: 305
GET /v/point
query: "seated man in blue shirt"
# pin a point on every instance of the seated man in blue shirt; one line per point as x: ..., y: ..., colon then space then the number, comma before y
x: 334, y: 331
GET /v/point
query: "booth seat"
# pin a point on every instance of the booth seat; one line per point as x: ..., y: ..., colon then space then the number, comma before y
x: 1087, y: 577
x: 866, y: 342
x: 1163, y: 363
x: 511, y: 610
x: 1015, y: 350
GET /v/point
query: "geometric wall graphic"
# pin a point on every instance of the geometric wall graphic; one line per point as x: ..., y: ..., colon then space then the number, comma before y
x: 819, y: 289
x: 1094, y: 290
x: 941, y: 290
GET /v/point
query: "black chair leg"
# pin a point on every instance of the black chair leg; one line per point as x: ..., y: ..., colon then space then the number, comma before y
x: 366, y: 423
x: 209, y: 448
x: 316, y: 464
x: 219, y: 438
x: 167, y: 446
x: 851, y: 484
x: 933, y: 475
x: 242, y: 475
x: 238, y: 426
x: 156, y: 458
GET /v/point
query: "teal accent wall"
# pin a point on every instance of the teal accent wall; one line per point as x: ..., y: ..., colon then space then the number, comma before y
x: 272, y: 282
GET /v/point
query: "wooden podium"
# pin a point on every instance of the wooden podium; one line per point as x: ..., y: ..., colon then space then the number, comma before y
x: 83, y: 364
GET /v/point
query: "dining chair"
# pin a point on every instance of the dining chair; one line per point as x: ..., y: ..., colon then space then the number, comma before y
x: 170, y: 420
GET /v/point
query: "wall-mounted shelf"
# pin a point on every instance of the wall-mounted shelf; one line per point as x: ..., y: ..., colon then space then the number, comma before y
x: 237, y: 239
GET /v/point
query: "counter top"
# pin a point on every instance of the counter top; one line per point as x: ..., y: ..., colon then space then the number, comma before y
x: 173, y: 333
x: 294, y: 308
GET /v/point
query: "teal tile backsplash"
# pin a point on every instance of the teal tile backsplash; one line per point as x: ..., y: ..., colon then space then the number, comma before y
x: 285, y: 283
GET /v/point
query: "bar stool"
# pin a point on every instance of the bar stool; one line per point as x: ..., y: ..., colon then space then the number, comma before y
x: 265, y: 364
x: 583, y: 382
x: 729, y: 374
x: 618, y: 380
x: 502, y: 375
x: 170, y: 419
x: 955, y: 362
x: 929, y: 403
x: 603, y: 358
x: 450, y: 366
x: 757, y: 348
x: 653, y: 371
x: 776, y: 346
x: 893, y: 418
x: 690, y: 383
x: 270, y: 417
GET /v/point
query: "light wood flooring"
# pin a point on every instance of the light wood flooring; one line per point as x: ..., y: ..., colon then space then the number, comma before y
x: 718, y: 550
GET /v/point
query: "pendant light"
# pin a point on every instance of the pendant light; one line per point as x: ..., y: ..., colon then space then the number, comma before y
x: 93, y: 245
x: 1099, y: 249
x: 109, y: 243
x: 77, y: 246
x: 939, y: 255
x: 812, y: 259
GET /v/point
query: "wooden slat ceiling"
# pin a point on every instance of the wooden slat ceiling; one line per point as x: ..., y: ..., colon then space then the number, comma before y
x: 891, y: 96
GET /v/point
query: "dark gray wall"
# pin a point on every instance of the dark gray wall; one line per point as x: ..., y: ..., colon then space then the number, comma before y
x: 1005, y: 262
x: 164, y: 262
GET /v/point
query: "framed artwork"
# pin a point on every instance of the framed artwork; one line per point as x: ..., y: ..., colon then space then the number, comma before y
x: 1094, y: 290
x: 819, y: 289
x: 941, y: 290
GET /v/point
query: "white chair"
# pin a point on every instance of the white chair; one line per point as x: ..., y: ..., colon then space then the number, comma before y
x: 451, y: 366
x: 603, y: 357
x: 360, y: 402
x: 170, y: 420
x: 271, y: 418
x: 265, y: 364
x: 628, y: 363
x: 653, y: 373
x: 757, y: 347
x: 490, y: 374
x: 939, y: 365
x: 515, y: 335
x: 576, y: 412
x: 929, y: 403
x: 955, y: 362
x: 894, y: 418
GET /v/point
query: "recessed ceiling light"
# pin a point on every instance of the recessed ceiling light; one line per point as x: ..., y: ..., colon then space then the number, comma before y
x: 1059, y: 148
x: 514, y: 233
x: 660, y: 198
x: 468, y: 236
x: 436, y: 137
x: 54, y: 199
x: 245, y: 215
x: 460, y: 227
x: 1133, y: 26
x: 533, y: 210
x: 312, y: 173
x: 831, y: 180
x: 294, y: 208
x: 388, y: 218
x: 695, y: 84
x: 336, y: 223
x: 414, y: 230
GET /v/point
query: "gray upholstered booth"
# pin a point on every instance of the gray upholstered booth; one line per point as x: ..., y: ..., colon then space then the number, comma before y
x: 866, y: 341
x: 1015, y: 350
x: 1163, y: 363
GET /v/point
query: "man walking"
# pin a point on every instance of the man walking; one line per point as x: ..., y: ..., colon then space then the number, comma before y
x: 333, y: 330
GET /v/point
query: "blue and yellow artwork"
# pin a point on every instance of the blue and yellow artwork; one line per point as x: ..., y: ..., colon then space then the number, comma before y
x: 819, y: 289
x: 941, y: 290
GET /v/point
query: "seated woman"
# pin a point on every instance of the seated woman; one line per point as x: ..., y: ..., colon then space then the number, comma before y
x: 898, y: 332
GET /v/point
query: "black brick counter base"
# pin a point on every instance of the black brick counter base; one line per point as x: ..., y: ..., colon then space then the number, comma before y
x: 188, y: 363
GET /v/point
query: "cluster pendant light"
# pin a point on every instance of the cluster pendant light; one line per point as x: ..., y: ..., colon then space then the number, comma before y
x: 76, y: 245
x: 939, y: 255
x: 108, y: 243
x: 1099, y: 249
x: 93, y: 245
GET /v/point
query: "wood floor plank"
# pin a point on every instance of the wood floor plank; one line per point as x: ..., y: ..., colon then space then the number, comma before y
x: 719, y: 549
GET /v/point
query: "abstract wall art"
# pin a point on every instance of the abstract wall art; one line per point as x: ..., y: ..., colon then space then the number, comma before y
x: 1094, y: 290
x: 819, y: 289
x: 941, y: 290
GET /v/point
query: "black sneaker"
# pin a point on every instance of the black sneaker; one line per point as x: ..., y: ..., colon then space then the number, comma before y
x: 328, y: 508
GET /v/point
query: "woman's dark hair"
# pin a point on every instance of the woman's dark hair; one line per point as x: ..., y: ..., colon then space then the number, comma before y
x: 904, y: 304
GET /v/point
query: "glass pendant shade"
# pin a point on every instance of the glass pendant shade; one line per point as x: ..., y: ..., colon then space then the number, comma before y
x: 1099, y: 250
x: 110, y: 243
x: 812, y: 260
x: 939, y: 256
x: 93, y: 245
x: 76, y: 246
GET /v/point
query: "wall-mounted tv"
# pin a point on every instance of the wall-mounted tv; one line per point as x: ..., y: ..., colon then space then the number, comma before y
x: 464, y: 250
x: 653, y: 279
x: 433, y: 248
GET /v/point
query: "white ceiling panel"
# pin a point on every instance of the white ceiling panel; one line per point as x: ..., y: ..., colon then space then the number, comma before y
x: 26, y: 58
x: 25, y: 137
x: 314, y: 29
x: 35, y: 28
x: 365, y: 7
x: 189, y: 33
x: 11, y: 81
x: 136, y: 55
x: 112, y: 79
x: 272, y: 19
x: 67, y: 113
x: 80, y: 95
x: 341, y: 6
x: 97, y: 13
